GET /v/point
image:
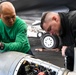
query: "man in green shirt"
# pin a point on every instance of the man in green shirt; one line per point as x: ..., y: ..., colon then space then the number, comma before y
x: 13, y: 30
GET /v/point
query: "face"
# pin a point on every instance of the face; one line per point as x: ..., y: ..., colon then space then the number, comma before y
x: 52, y: 26
x: 8, y: 18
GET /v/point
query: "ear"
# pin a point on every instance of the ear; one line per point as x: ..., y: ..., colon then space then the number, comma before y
x: 54, y: 18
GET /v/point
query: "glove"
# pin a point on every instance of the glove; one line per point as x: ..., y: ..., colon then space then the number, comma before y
x: 1, y: 46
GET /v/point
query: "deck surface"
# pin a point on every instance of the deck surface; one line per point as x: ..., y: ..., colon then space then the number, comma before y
x: 49, y: 56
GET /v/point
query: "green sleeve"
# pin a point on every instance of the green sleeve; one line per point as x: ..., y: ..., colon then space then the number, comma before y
x: 21, y: 40
x: 0, y: 37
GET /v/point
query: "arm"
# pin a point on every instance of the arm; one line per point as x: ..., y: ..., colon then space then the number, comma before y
x: 70, y: 50
x: 21, y: 40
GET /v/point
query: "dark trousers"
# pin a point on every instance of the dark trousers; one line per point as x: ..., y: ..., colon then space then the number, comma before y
x: 30, y: 52
x: 70, y: 63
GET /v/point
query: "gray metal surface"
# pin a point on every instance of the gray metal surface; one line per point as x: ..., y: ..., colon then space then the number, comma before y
x: 9, y: 62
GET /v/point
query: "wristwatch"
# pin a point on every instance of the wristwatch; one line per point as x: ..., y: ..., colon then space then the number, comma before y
x: 1, y: 46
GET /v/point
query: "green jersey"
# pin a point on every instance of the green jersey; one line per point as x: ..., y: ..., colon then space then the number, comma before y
x: 14, y: 38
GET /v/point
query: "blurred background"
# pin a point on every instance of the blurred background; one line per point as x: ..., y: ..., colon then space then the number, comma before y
x: 31, y: 11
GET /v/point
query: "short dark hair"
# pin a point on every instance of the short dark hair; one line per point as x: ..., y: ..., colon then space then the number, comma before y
x: 43, y: 19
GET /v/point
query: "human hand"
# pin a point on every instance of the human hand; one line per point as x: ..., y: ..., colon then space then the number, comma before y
x: 41, y: 73
x: 63, y: 50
